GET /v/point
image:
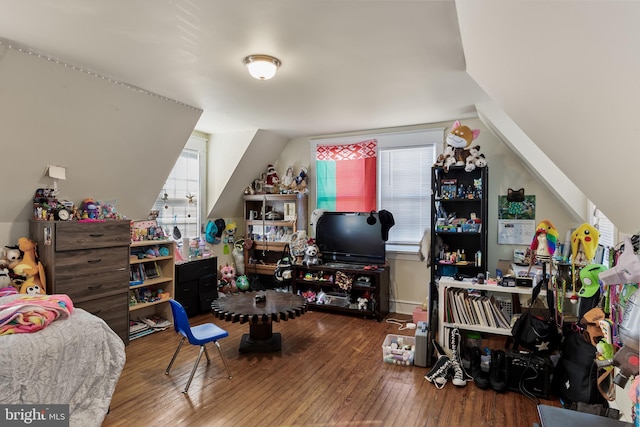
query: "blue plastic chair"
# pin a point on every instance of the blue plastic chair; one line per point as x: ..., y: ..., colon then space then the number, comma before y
x: 197, y: 335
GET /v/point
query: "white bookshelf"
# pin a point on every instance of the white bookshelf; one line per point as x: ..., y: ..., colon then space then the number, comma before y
x: 445, y: 283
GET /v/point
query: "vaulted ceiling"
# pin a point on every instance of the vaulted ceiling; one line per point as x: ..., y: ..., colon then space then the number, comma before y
x: 565, y: 72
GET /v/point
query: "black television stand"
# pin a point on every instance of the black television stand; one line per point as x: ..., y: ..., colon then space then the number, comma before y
x: 340, y: 285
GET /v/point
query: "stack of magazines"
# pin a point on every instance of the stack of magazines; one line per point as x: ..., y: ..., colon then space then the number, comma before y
x: 147, y: 325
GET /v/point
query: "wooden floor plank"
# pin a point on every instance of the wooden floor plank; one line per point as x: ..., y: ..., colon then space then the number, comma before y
x: 330, y: 372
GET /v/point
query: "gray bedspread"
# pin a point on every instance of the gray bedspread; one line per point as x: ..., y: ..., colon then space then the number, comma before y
x: 75, y: 361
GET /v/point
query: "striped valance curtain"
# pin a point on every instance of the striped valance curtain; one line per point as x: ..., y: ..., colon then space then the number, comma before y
x: 346, y: 176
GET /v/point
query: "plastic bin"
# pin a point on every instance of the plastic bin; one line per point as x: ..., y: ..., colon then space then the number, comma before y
x: 398, y: 350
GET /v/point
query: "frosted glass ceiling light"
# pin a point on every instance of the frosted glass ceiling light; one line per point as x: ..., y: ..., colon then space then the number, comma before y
x: 262, y: 67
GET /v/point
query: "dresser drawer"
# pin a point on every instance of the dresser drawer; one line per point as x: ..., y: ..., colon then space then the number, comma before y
x: 72, y: 265
x: 75, y: 235
x: 93, y: 287
x: 193, y: 270
x: 114, y: 310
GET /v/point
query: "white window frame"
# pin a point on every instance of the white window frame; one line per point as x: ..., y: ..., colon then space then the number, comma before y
x: 196, y: 144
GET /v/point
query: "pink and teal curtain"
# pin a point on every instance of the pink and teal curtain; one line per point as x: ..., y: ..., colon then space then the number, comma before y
x: 346, y: 176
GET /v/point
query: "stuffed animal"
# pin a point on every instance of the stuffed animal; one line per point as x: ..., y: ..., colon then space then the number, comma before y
x: 30, y: 287
x: 456, y: 150
x: 227, y: 282
x: 27, y: 266
x: 5, y: 279
x: 311, y: 255
x: 301, y: 180
x: 13, y: 255
x: 243, y: 283
x: 230, y: 231
x: 475, y: 159
x: 362, y: 303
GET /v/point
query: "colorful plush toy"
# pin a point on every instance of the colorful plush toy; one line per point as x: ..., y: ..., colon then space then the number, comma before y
x: 243, y: 283
x: 544, y: 241
x: 227, y: 281
x: 584, y: 243
x: 456, y: 150
x: 230, y: 231
x: 30, y: 287
x: 27, y: 265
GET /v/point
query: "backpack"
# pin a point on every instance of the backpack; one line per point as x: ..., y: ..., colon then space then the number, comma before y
x: 575, y: 377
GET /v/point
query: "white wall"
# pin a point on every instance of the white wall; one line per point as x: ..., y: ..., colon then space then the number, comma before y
x: 117, y: 142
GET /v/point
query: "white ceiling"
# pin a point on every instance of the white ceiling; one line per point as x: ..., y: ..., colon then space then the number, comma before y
x: 346, y: 65
x: 566, y: 72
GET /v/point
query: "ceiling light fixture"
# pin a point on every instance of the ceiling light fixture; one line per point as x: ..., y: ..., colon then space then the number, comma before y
x: 262, y: 67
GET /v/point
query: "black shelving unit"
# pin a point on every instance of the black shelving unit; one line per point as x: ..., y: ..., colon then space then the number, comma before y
x: 457, y: 194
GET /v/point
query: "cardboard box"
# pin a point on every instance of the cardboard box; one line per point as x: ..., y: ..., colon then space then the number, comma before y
x: 419, y: 315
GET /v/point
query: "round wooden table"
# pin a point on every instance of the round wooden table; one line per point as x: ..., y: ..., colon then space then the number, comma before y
x: 244, y: 308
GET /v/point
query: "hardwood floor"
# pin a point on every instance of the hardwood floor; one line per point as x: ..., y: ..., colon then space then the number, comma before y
x: 329, y: 373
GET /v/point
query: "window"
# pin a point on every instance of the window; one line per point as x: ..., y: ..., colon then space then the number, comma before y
x: 403, y: 180
x: 404, y: 189
x: 608, y: 232
x: 179, y: 203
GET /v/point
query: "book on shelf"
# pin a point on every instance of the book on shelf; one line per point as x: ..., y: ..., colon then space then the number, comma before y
x: 490, y: 313
x: 151, y: 270
x: 501, y: 319
x: 482, y: 316
x: 475, y: 315
x: 135, y: 275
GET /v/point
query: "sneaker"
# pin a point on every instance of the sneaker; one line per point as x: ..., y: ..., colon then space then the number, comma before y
x: 460, y: 376
x: 439, y: 373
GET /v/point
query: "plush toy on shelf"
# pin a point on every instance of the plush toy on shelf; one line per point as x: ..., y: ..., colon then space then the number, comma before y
x: 311, y: 255
x: 457, y: 148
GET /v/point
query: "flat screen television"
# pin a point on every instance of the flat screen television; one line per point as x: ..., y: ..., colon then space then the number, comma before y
x: 347, y: 237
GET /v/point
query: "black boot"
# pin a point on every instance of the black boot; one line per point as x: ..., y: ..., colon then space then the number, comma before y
x: 497, y: 372
x: 480, y: 377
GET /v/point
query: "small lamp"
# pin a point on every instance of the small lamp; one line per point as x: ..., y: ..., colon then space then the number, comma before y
x: 56, y: 172
x: 262, y: 67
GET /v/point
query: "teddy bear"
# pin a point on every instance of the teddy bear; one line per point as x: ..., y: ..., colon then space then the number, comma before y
x: 457, y: 146
x: 311, y: 255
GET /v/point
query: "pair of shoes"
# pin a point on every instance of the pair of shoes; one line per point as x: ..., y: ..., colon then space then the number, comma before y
x: 460, y: 376
x: 440, y: 372
x: 497, y: 371
x: 480, y: 377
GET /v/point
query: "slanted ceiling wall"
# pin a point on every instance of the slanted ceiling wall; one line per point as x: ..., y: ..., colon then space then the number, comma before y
x: 117, y: 142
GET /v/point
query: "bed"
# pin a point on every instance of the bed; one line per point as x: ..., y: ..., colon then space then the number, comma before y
x: 75, y: 360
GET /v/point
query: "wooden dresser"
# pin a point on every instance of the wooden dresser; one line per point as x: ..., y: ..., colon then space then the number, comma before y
x: 89, y: 261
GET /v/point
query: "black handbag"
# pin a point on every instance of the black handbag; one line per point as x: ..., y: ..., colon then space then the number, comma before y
x: 284, y: 266
x: 536, y: 329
